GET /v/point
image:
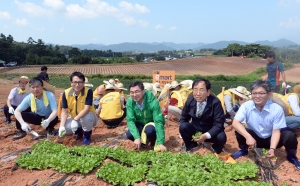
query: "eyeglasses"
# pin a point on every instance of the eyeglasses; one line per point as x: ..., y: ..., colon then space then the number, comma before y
x: 135, y: 92
x: 22, y: 83
x: 77, y: 82
x: 199, y: 90
x: 258, y: 93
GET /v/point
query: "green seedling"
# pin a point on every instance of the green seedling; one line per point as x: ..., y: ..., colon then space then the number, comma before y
x: 197, y: 135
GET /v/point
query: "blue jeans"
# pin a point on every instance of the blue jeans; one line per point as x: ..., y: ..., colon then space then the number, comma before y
x: 293, y: 121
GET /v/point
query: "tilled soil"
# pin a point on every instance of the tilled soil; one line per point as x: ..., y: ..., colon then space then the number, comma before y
x: 101, y: 136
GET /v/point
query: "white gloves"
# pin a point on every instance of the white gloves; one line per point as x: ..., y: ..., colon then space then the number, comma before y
x: 45, y: 123
x: 283, y: 84
x: 74, y: 125
x: 25, y: 127
x: 61, y: 131
x: 11, y: 110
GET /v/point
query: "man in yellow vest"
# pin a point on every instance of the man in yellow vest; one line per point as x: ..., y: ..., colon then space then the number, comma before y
x: 292, y: 102
x: 43, y: 109
x: 111, y: 107
x: 78, y: 113
x: 179, y: 95
x: 232, y: 99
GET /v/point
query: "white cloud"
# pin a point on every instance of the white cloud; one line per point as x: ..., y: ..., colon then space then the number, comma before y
x: 133, y: 8
x: 21, y: 22
x: 75, y: 11
x: 173, y: 28
x: 127, y: 20
x: 32, y: 9
x: 159, y: 26
x: 4, y: 15
x: 291, y: 23
x: 92, y: 9
x: 143, y: 23
x: 62, y: 29
x: 56, y: 4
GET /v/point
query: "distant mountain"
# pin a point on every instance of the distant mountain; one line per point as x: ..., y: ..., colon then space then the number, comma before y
x: 88, y: 46
x: 136, y: 47
x: 182, y: 46
x: 219, y: 45
x: 154, y: 46
x: 279, y: 43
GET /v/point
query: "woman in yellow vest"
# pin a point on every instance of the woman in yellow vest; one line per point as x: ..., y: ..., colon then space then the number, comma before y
x: 179, y: 95
x: 292, y: 102
x: 121, y: 89
x: 232, y: 99
x: 111, y: 107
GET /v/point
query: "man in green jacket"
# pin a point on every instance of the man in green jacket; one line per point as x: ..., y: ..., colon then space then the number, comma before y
x: 143, y: 110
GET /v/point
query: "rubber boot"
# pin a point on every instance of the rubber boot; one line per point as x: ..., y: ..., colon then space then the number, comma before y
x: 242, y: 152
x: 79, y: 133
x: 291, y: 157
x: 87, y: 137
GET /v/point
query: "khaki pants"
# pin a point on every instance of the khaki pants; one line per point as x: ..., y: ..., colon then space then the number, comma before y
x: 87, y: 123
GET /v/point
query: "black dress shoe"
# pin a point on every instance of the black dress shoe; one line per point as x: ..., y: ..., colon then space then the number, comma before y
x: 19, y: 135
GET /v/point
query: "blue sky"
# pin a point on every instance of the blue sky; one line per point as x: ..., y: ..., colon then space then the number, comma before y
x: 67, y: 22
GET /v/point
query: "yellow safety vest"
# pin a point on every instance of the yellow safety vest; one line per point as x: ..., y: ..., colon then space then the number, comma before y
x: 285, y: 98
x: 111, y: 106
x: 76, y: 106
x: 181, y: 96
x: 221, y: 98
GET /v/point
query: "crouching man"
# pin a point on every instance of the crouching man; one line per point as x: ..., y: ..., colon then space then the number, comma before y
x: 78, y: 102
x: 266, y: 125
x: 207, y: 117
x: 144, y: 118
x: 43, y: 109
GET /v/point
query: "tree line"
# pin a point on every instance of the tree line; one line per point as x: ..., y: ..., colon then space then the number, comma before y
x: 38, y: 53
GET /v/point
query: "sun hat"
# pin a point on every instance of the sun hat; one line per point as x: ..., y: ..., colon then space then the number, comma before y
x: 149, y: 86
x: 240, y: 91
x: 86, y: 83
x: 174, y: 84
x: 187, y: 83
x: 22, y: 78
x: 111, y: 81
x: 110, y: 87
x: 121, y: 86
x: 296, y: 89
x: 46, y: 86
x: 117, y: 80
x: 157, y: 86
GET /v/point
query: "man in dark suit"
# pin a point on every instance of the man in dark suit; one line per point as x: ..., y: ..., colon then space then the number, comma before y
x: 207, y: 117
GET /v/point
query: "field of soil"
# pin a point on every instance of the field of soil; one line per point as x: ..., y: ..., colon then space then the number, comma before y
x: 101, y: 136
x: 188, y: 66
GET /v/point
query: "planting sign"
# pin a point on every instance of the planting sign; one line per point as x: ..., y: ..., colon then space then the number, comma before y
x: 163, y: 77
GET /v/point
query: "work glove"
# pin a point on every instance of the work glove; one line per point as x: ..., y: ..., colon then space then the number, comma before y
x: 74, y: 126
x: 25, y: 127
x: 11, y: 110
x: 45, y: 123
x: 283, y: 84
x: 61, y: 131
